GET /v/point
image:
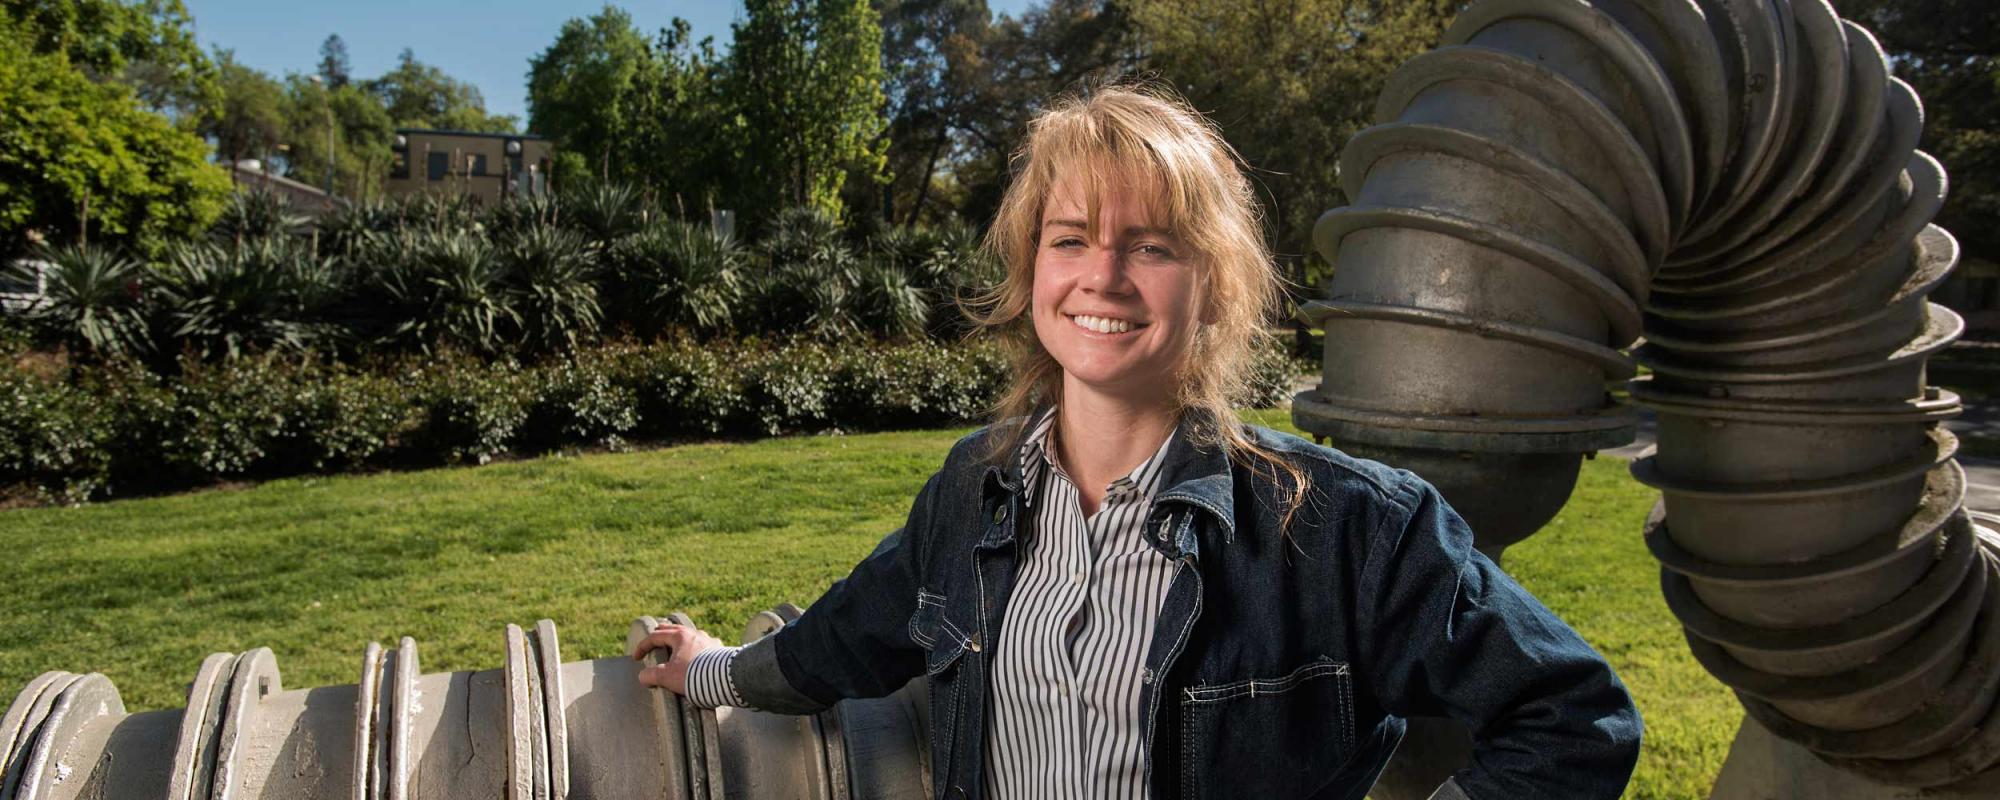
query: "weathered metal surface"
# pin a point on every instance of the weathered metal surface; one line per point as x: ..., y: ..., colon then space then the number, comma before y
x: 535, y: 729
x: 1746, y: 172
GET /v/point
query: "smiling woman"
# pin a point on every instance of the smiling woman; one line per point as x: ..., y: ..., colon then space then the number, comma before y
x: 1117, y: 591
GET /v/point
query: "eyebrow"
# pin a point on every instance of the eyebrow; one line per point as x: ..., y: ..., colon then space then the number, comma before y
x: 1129, y: 230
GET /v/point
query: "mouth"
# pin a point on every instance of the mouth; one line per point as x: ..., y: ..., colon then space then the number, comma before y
x: 1104, y: 326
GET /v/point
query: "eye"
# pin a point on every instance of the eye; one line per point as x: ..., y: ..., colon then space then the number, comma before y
x: 1154, y: 251
x: 1066, y: 242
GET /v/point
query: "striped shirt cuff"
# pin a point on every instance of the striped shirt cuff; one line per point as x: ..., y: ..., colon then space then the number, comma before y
x: 708, y: 681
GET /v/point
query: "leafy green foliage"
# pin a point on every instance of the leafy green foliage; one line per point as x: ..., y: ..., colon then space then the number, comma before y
x: 148, y: 45
x: 807, y: 78
x: 250, y: 120
x: 255, y: 216
x: 551, y: 272
x: 224, y: 301
x: 418, y: 95
x: 93, y: 301
x: 674, y: 275
x: 52, y: 437
x: 81, y: 160
x: 468, y: 411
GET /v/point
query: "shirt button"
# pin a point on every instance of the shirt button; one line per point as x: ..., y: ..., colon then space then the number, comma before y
x: 1077, y: 578
x: 1146, y: 676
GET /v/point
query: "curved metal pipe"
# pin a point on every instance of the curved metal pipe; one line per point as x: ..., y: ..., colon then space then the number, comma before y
x: 535, y: 729
x: 1745, y: 173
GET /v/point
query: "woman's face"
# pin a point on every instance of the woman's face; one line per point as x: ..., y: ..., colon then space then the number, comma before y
x: 1116, y: 309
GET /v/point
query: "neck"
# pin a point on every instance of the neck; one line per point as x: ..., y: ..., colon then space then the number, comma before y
x: 1101, y: 438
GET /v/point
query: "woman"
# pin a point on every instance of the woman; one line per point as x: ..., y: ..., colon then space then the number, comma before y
x: 1120, y: 591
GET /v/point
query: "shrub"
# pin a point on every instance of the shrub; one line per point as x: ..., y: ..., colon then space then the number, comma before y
x: 1272, y: 375
x: 674, y: 275
x: 424, y: 290
x: 94, y: 302
x: 790, y: 388
x: 886, y: 302
x: 336, y: 418
x: 466, y: 410
x: 255, y: 216
x: 550, y: 272
x: 604, y: 211
x: 52, y: 437
x: 682, y: 387
x: 226, y: 301
x: 581, y: 401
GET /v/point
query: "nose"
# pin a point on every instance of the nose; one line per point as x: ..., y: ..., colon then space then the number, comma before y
x: 1106, y: 272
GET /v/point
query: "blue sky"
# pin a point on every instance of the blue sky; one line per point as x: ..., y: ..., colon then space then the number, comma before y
x: 486, y: 43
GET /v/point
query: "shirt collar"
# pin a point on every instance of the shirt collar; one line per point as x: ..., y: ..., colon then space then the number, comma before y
x: 1038, y: 453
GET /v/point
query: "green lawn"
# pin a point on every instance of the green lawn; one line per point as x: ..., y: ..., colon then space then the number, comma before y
x: 314, y: 568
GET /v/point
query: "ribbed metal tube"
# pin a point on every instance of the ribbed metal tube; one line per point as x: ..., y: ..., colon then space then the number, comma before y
x: 1741, y: 175
x: 534, y: 729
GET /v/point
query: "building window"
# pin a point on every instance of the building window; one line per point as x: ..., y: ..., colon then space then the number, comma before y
x: 399, y: 166
x: 439, y: 164
x: 479, y: 163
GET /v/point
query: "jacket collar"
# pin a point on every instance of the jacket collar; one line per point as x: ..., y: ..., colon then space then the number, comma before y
x: 1195, y: 478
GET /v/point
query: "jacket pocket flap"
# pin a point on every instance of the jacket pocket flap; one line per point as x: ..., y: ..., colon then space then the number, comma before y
x: 931, y: 629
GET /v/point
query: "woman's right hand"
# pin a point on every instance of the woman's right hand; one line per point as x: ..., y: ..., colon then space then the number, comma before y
x: 683, y: 643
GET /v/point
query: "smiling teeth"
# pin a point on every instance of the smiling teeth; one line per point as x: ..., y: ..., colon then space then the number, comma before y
x: 1102, y: 325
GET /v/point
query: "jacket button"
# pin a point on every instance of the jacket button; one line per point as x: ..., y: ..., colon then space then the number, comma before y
x: 999, y: 516
x: 1146, y: 676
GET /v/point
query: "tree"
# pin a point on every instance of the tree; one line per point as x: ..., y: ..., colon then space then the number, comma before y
x: 333, y: 66
x: 148, y: 45
x: 807, y: 79
x: 1027, y: 60
x: 580, y: 90
x: 81, y: 158
x: 1288, y: 81
x: 362, y: 136
x: 251, y: 119
x: 1947, y: 51
x: 932, y: 59
x: 418, y: 95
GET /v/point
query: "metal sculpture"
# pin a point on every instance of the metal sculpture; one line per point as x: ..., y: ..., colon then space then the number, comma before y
x: 1738, y: 182
x: 535, y: 729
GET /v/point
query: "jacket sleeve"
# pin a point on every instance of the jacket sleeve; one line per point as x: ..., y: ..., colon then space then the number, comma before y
x: 854, y: 641
x: 1446, y: 633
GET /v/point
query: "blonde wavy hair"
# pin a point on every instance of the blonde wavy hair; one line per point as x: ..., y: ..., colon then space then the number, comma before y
x: 1143, y: 135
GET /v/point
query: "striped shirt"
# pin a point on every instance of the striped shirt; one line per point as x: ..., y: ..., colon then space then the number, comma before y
x: 1066, y: 673
x: 1065, y: 718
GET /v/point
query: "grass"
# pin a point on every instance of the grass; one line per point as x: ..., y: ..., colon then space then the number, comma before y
x: 314, y: 568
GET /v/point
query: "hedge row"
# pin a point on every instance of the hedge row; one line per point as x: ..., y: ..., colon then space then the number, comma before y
x: 120, y: 428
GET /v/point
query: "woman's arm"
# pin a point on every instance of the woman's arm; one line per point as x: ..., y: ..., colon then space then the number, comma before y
x: 852, y: 642
x: 1446, y: 632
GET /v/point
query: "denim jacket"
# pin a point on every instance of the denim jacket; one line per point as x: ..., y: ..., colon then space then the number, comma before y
x: 1281, y: 666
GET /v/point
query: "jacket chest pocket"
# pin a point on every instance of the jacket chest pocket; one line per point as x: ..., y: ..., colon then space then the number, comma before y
x: 951, y: 686
x: 1282, y: 736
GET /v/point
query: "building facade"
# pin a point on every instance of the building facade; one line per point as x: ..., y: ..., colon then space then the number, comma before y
x: 484, y: 167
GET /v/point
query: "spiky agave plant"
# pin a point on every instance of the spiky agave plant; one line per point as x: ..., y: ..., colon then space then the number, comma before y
x: 256, y: 216
x: 604, y: 212
x: 810, y: 276
x: 552, y: 272
x: 517, y: 214
x: 674, y: 275
x: 886, y: 302
x: 470, y: 301
x: 94, y: 300
x: 225, y: 301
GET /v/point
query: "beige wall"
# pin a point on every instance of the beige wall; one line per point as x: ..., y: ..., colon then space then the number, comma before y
x: 448, y: 162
